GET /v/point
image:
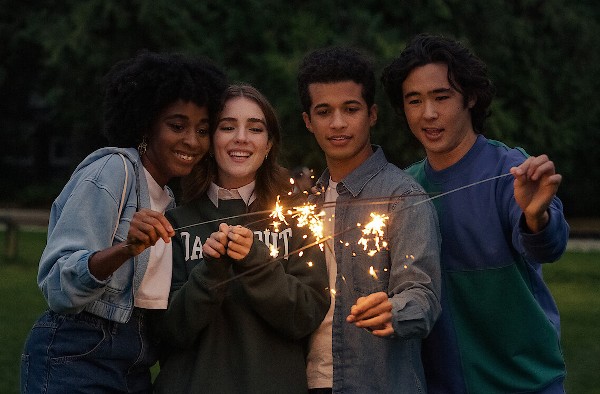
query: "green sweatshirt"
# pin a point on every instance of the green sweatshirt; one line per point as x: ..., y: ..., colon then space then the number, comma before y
x: 247, y: 335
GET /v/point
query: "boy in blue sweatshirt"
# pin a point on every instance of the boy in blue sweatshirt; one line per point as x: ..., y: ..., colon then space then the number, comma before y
x: 499, y: 329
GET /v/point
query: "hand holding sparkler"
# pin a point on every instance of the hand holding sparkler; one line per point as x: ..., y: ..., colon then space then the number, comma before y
x: 374, y: 313
x: 536, y: 184
x: 146, y: 228
x: 235, y: 241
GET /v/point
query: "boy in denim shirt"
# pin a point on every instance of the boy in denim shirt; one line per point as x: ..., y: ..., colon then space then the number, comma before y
x: 383, y: 304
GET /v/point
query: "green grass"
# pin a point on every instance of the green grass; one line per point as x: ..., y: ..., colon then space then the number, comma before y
x: 574, y: 281
x: 21, y: 302
x: 575, y: 285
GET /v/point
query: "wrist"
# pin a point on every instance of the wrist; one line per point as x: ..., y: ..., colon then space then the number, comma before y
x: 535, y: 224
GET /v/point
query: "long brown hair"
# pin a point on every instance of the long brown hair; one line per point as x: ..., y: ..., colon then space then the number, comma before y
x: 271, y: 178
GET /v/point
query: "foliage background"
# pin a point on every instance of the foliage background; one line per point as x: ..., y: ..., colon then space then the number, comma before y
x: 542, y: 55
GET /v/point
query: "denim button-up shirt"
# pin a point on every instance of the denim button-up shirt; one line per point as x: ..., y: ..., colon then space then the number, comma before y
x: 408, y: 270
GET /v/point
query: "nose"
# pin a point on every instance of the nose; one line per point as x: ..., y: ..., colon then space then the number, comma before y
x: 241, y: 135
x: 430, y: 111
x: 338, y: 121
x: 192, y: 139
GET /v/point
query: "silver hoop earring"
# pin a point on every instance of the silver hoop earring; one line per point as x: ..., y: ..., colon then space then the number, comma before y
x: 143, y: 146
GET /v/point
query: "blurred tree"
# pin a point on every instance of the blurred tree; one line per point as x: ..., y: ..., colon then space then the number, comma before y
x: 540, y: 54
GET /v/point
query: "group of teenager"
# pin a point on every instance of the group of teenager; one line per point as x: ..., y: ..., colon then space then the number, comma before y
x: 453, y: 302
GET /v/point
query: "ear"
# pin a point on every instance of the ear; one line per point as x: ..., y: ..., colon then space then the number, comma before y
x: 307, y: 122
x: 373, y: 115
x: 471, y: 103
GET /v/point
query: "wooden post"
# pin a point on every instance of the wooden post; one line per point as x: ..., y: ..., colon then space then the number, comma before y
x: 11, y: 236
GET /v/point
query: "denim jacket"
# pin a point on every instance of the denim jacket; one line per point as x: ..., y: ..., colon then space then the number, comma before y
x: 408, y: 270
x: 82, y: 221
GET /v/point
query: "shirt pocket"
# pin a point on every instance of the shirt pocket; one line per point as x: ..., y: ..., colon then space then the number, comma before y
x: 370, y: 273
x: 119, y: 283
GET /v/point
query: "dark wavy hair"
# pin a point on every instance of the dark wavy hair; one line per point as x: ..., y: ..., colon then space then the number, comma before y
x: 271, y: 178
x: 336, y: 64
x: 138, y: 89
x: 467, y: 74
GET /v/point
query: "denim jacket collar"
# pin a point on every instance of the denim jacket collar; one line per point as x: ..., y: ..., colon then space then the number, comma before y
x: 355, y: 182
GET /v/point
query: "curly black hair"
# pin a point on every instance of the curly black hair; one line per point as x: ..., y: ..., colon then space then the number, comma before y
x: 139, y: 88
x: 336, y: 64
x: 467, y: 74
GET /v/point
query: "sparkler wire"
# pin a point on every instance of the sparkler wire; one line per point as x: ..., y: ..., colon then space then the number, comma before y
x: 357, y: 201
x: 321, y: 240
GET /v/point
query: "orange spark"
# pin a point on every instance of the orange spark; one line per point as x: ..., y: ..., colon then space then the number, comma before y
x: 306, y: 216
x: 278, y: 214
x: 372, y: 272
x: 274, y: 252
x: 374, y: 232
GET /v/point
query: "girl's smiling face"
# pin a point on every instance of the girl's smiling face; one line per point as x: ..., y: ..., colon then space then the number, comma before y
x: 241, y: 142
x: 178, y: 140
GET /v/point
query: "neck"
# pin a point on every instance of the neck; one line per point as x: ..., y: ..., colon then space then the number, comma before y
x: 339, y: 169
x: 442, y: 160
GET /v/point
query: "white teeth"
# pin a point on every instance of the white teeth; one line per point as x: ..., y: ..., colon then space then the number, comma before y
x: 239, y: 154
x: 185, y: 157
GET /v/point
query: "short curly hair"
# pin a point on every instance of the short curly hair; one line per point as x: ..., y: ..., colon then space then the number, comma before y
x: 467, y: 74
x: 138, y: 89
x: 336, y: 64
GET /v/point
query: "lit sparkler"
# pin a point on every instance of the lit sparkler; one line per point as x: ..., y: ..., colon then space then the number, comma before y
x: 273, y: 251
x: 277, y: 213
x: 305, y: 215
x: 375, y: 229
x: 373, y: 273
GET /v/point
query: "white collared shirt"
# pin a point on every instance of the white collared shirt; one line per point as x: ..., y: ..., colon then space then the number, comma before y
x: 246, y: 193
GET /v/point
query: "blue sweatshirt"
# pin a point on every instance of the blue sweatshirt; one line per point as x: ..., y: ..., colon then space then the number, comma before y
x: 499, y: 330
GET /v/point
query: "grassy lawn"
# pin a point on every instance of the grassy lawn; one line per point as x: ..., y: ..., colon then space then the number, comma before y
x: 575, y: 285
x: 574, y: 281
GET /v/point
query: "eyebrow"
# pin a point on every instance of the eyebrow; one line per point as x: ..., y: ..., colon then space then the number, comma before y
x: 356, y: 102
x: 434, y: 91
x: 253, y: 120
x: 183, y: 117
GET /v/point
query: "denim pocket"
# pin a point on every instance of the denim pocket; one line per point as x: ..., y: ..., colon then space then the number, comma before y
x: 371, y: 274
x: 76, y: 337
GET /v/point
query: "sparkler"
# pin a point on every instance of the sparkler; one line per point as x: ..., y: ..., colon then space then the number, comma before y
x: 277, y: 213
x: 374, y: 228
x: 306, y: 216
x: 372, y: 272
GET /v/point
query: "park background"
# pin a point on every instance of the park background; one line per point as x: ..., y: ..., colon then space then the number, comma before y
x: 542, y: 55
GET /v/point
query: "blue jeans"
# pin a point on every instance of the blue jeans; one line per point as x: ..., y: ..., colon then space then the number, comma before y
x: 84, y: 353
